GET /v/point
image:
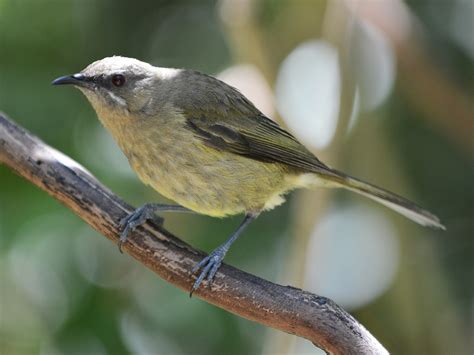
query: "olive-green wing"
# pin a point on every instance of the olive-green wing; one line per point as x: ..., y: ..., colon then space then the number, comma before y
x: 225, y: 119
x: 257, y: 138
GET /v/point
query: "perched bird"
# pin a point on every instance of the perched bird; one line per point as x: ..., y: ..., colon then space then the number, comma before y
x: 201, y: 143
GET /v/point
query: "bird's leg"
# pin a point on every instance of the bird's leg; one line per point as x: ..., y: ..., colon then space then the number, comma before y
x: 144, y: 213
x: 211, y: 263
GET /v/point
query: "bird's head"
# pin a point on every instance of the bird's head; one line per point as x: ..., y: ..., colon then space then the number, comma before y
x: 118, y: 85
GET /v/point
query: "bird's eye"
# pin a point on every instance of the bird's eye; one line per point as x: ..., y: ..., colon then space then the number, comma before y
x: 118, y: 80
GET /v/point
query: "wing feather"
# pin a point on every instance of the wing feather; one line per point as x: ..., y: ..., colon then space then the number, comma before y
x: 225, y: 119
x: 261, y: 139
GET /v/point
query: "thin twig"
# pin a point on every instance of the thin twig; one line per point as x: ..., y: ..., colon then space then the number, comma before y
x: 291, y: 310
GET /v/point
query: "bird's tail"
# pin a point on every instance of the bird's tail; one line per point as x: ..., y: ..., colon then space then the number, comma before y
x: 386, y: 198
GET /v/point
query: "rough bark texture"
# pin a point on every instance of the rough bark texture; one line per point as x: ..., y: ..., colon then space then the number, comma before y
x: 291, y: 310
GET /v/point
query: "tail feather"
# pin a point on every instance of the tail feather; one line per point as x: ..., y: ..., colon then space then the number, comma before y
x: 386, y: 198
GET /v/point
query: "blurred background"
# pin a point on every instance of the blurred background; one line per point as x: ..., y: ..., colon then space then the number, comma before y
x: 379, y: 89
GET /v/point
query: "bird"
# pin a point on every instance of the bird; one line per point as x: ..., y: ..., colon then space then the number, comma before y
x: 204, y: 145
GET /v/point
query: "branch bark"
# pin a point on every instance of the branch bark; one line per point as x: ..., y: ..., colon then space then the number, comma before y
x: 291, y: 310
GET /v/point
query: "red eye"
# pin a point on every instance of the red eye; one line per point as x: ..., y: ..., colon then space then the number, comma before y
x: 118, y: 80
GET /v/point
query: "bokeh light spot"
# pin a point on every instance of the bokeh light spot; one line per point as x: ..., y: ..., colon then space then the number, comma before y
x: 308, y: 92
x: 373, y: 64
x: 353, y: 256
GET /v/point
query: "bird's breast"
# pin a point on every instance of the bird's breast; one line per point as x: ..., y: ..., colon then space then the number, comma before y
x: 181, y: 167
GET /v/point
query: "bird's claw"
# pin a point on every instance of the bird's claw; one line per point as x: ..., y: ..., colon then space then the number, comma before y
x: 135, y: 219
x: 209, y: 265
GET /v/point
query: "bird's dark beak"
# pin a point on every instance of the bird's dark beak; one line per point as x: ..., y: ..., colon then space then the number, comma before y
x: 76, y: 79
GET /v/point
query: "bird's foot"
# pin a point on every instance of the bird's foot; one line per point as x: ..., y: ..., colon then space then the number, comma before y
x: 209, y: 265
x: 135, y: 219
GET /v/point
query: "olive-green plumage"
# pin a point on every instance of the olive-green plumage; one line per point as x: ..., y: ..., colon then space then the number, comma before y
x: 200, y: 142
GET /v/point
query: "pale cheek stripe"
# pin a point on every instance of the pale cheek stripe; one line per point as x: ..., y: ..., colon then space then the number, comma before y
x: 121, y: 102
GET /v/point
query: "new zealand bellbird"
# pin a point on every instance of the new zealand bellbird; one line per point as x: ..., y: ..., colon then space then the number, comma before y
x: 201, y: 143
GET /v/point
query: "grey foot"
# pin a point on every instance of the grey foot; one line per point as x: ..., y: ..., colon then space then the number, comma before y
x: 209, y: 265
x: 135, y: 219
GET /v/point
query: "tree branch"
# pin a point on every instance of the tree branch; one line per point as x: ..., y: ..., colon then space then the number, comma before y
x: 291, y: 310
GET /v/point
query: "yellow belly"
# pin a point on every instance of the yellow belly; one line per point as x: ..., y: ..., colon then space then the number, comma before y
x: 212, y: 182
x: 181, y: 167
